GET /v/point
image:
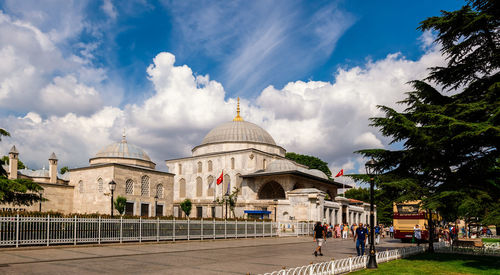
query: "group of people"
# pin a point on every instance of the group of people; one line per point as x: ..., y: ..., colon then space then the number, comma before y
x: 358, y: 232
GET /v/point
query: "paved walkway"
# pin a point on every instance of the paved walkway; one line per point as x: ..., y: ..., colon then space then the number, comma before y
x: 239, y: 256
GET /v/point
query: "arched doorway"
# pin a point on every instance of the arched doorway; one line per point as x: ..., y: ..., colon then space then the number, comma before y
x: 271, y: 190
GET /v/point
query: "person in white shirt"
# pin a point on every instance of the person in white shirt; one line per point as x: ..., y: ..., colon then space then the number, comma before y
x: 417, y: 232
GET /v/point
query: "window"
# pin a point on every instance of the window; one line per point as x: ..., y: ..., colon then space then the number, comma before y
x: 182, y: 188
x: 264, y: 164
x: 129, y: 209
x: 211, y: 186
x: 99, y: 185
x: 159, y: 191
x: 80, y: 186
x: 180, y: 169
x: 199, y: 212
x: 145, y: 186
x: 159, y: 210
x: 239, y: 181
x: 210, y: 167
x: 129, y: 187
x: 199, y: 167
x: 232, y: 163
x: 199, y: 187
x: 145, y: 209
x: 226, y: 182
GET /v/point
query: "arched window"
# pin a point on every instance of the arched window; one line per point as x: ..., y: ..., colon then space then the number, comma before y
x: 239, y: 183
x: 182, y: 188
x: 226, y: 182
x: 264, y: 164
x: 159, y: 191
x: 210, y: 167
x: 99, y: 185
x: 199, y: 187
x: 232, y: 163
x: 271, y: 190
x: 211, y: 186
x: 129, y: 187
x: 180, y: 169
x: 200, y: 167
x: 145, y: 186
x: 80, y: 186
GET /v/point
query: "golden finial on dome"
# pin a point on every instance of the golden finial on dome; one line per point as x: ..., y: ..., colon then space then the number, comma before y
x: 238, y: 118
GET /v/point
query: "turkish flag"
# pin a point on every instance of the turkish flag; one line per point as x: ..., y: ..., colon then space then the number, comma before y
x: 341, y: 173
x: 221, y: 178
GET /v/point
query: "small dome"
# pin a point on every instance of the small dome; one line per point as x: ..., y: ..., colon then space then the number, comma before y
x: 123, y: 149
x: 317, y: 173
x: 281, y: 165
x: 238, y: 131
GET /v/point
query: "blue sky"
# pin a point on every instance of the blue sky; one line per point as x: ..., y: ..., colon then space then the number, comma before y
x: 75, y: 73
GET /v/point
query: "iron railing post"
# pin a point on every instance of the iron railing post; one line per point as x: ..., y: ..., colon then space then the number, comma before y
x: 214, y: 228
x: 188, y: 229
x: 173, y: 230
x: 17, y: 230
x: 140, y: 229
x: 48, y: 229
x: 99, y: 236
x: 74, y: 232
x: 157, y: 229
x: 246, y: 228
x: 225, y: 228
x: 121, y: 229
x: 201, y: 228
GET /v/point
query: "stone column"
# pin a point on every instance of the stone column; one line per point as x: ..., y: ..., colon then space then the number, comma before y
x: 13, y: 159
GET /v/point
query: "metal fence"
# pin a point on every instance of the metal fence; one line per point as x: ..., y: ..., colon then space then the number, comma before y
x: 17, y: 231
x: 352, y: 263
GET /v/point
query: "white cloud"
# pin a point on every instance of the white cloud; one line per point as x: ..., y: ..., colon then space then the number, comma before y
x: 325, y: 119
x: 109, y: 9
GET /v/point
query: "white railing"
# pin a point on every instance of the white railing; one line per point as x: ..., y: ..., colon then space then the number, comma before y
x: 486, y: 250
x: 350, y: 264
x: 17, y: 231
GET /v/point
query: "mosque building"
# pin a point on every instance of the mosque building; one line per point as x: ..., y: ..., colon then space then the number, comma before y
x: 242, y: 154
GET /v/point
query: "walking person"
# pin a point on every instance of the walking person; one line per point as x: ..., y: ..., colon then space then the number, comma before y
x: 337, y: 231
x: 345, y: 231
x: 391, y: 231
x: 377, y: 234
x: 359, y: 239
x: 417, y: 233
x: 319, y: 238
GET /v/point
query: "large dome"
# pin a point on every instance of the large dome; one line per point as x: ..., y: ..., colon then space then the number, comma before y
x: 238, y: 131
x: 122, y: 152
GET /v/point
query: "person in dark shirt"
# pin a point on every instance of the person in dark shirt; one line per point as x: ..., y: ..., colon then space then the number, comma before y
x: 319, y: 236
x: 360, y: 238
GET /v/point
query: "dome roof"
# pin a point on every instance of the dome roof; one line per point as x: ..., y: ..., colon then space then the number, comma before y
x: 238, y: 131
x: 317, y: 173
x: 281, y: 165
x: 123, y: 149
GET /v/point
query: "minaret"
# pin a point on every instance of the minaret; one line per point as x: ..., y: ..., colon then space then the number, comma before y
x: 53, y: 168
x: 238, y: 118
x: 13, y: 159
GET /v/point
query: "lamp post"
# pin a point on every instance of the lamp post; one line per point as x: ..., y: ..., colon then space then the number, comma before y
x: 370, y: 170
x: 112, y: 187
x: 156, y: 205
x: 226, y: 198
x: 41, y: 198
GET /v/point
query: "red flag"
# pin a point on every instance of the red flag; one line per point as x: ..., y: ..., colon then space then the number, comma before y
x: 341, y: 173
x: 221, y: 178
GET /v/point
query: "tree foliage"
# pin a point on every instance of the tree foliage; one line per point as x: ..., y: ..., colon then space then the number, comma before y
x: 311, y: 162
x: 383, y: 202
x: 186, y: 206
x: 120, y: 204
x: 450, y: 155
x: 64, y: 169
x: 17, y: 191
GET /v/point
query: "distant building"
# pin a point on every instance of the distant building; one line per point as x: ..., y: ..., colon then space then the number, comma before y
x: 86, y: 189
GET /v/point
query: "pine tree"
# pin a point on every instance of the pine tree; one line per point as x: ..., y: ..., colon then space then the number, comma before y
x: 450, y: 155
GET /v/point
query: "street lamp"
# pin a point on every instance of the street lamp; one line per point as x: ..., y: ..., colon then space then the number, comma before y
x: 112, y: 187
x: 226, y: 198
x: 156, y: 205
x: 41, y: 198
x: 371, y: 171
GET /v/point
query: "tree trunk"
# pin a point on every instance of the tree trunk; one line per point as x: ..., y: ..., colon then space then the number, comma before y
x: 430, y: 223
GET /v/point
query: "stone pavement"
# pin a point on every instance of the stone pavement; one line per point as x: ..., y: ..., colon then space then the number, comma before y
x: 238, y: 256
